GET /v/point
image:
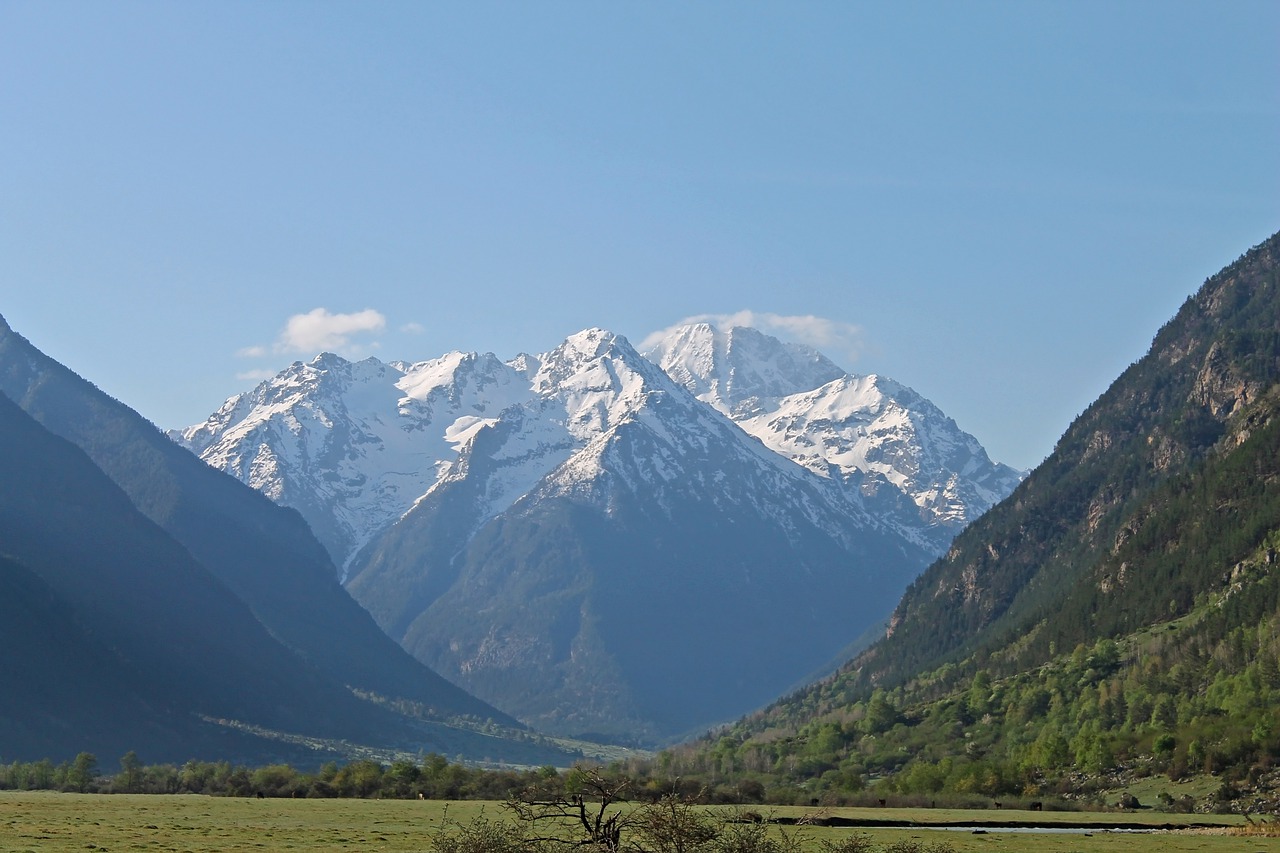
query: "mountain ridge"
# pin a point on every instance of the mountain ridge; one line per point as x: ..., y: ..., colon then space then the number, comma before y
x: 181, y: 645
x: 620, y: 462
x: 271, y: 560
x: 563, y: 453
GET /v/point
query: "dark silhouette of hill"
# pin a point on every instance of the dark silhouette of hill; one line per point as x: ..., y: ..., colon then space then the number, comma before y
x: 115, y: 633
x: 263, y: 552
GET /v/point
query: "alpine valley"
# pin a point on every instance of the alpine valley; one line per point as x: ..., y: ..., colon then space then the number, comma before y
x: 608, y: 544
x: 151, y: 603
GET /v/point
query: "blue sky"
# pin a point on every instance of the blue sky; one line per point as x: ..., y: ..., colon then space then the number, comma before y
x: 997, y: 204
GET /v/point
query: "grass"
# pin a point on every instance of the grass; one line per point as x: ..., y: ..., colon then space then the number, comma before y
x: 1148, y: 789
x: 43, y: 821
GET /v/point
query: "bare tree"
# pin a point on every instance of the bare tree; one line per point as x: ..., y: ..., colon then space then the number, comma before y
x: 587, y: 812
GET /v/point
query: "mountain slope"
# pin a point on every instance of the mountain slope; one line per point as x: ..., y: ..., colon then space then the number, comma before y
x: 50, y: 666
x: 589, y: 480
x: 172, y: 641
x: 1063, y: 528
x: 615, y: 558
x: 261, y: 551
x: 1117, y: 616
x: 882, y: 440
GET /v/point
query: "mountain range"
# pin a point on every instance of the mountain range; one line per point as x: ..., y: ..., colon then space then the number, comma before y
x: 633, y: 546
x: 609, y: 545
x: 194, y: 608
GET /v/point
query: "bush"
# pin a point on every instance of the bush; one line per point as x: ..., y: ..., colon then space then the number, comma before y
x: 857, y: 843
x: 752, y: 838
x: 911, y: 845
x: 484, y: 836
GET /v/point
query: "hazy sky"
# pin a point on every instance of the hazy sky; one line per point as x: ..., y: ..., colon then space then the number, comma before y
x: 997, y: 204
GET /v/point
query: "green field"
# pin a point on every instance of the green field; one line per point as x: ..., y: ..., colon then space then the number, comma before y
x: 43, y: 821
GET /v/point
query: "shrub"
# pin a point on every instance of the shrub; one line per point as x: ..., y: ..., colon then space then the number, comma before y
x: 857, y: 843
x: 482, y: 835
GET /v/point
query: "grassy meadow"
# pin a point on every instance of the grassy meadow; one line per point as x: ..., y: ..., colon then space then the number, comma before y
x: 45, y: 821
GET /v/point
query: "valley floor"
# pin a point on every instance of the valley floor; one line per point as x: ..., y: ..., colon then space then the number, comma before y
x: 45, y: 821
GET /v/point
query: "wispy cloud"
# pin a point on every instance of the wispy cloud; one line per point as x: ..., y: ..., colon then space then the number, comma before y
x: 836, y: 338
x: 318, y: 331
x: 255, y: 375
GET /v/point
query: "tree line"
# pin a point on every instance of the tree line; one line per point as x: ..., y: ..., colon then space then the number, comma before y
x: 432, y: 777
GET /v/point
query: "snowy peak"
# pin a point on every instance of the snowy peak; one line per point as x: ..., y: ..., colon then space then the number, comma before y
x: 599, y: 379
x: 352, y: 445
x: 739, y: 370
x: 519, y: 524
x: 584, y: 356
x: 869, y: 432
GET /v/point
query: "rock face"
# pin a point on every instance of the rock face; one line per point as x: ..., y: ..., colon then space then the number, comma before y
x: 1085, y: 520
x: 580, y: 539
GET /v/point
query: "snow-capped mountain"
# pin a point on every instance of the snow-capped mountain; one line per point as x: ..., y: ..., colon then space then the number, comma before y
x: 614, y: 557
x: 573, y: 535
x: 350, y: 445
x: 741, y: 371
x: 604, y: 543
x: 880, y: 438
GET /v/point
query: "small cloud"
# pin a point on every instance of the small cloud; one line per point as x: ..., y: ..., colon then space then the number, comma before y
x: 833, y: 337
x: 819, y: 332
x: 413, y: 328
x: 318, y: 330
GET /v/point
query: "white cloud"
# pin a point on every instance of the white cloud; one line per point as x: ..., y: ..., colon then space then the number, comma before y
x: 413, y: 328
x: 318, y: 331
x: 837, y: 339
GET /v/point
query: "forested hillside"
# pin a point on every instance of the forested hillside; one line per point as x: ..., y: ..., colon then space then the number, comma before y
x: 1118, y: 615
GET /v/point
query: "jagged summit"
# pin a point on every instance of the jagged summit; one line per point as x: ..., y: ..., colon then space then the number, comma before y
x: 609, y: 502
x: 878, y: 436
x: 352, y: 445
x: 739, y: 370
x: 510, y: 523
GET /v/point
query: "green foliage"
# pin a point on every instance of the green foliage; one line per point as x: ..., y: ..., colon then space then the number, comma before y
x: 130, y: 779
x: 859, y: 842
x: 81, y: 774
x: 434, y: 777
x: 1196, y: 695
x: 1120, y: 609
